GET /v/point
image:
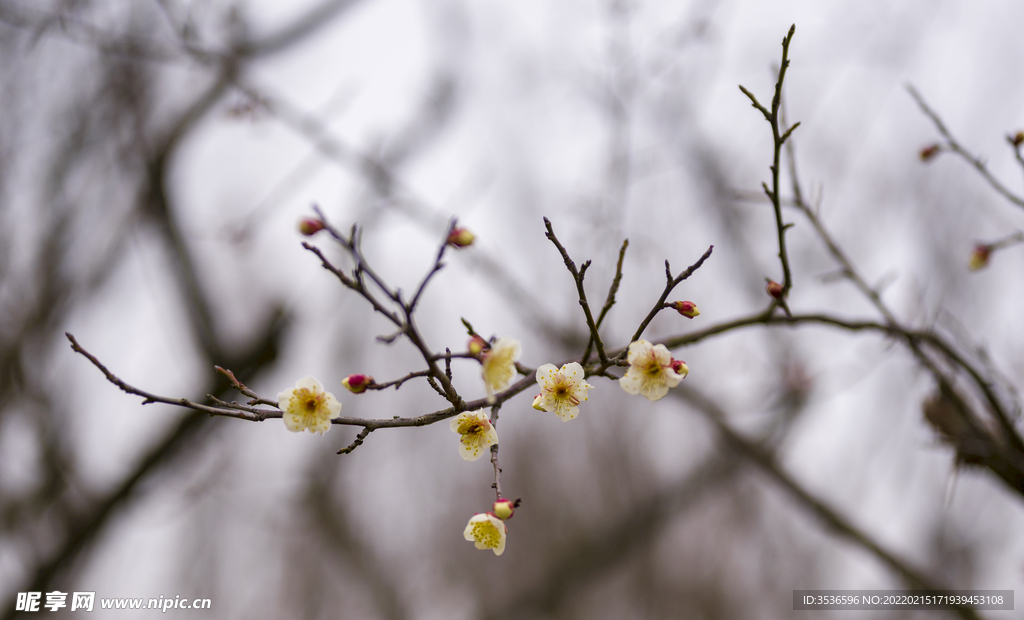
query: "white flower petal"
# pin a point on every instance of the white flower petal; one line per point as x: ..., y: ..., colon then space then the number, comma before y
x: 545, y: 373
x: 309, y: 383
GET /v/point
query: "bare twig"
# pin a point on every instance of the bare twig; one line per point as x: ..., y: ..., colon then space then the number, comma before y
x: 238, y: 385
x: 232, y: 410
x: 577, y: 276
x: 609, y: 301
x: 397, y: 383
x: 357, y: 442
x: 779, y: 138
x: 438, y: 265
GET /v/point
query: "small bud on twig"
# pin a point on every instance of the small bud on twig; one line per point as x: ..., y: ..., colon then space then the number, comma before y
x: 460, y: 237
x: 1017, y: 139
x: 504, y: 508
x: 309, y: 226
x: 477, y: 346
x: 774, y: 289
x: 686, y: 308
x: 357, y: 384
x: 979, y: 257
x: 929, y: 152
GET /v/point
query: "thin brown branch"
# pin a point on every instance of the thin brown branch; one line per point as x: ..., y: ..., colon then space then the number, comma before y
x: 231, y: 410
x: 358, y: 441
x: 238, y: 385
x: 779, y: 138
x: 397, y: 383
x: 669, y: 285
x: 578, y: 276
x: 437, y: 266
x: 609, y: 300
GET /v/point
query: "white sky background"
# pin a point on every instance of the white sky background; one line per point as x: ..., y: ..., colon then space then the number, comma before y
x: 529, y: 137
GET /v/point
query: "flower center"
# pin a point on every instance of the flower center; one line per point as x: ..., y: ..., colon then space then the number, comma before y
x: 474, y: 429
x: 309, y: 401
x: 487, y: 534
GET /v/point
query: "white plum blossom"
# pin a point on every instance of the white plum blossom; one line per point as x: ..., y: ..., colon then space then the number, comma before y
x: 562, y: 390
x: 499, y: 366
x: 487, y: 531
x: 652, y: 370
x: 477, y: 434
x: 308, y: 406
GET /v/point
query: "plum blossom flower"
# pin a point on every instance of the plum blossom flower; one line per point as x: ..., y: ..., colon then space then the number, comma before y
x: 651, y: 370
x: 487, y: 531
x: 477, y: 434
x: 562, y: 389
x: 308, y: 406
x: 499, y: 366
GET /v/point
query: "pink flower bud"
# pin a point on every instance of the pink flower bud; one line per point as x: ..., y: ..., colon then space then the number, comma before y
x: 460, y: 237
x: 979, y: 257
x: 929, y: 152
x: 476, y: 346
x: 680, y: 367
x: 686, y: 308
x: 310, y: 226
x: 774, y: 289
x: 504, y: 508
x: 357, y: 384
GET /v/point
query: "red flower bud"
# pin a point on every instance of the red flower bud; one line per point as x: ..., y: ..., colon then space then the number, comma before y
x: 310, y: 226
x: 357, y: 384
x: 680, y: 367
x: 774, y: 289
x: 686, y: 308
